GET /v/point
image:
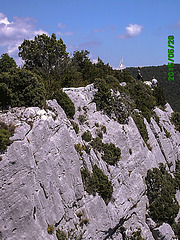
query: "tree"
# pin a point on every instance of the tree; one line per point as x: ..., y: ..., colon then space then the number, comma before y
x: 45, y: 54
x: 5, y: 96
x: 6, y: 63
x: 20, y: 87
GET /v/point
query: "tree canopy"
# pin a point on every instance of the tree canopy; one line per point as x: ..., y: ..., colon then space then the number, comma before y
x: 45, y: 54
x: 6, y: 63
x: 21, y: 87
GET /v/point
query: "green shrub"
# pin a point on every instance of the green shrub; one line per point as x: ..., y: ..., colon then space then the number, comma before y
x: 114, y: 106
x: 177, y: 174
x: 168, y: 134
x: 175, y: 119
x: 87, y: 148
x: 112, y: 82
x: 159, y: 95
x: 111, y: 153
x: 50, y: 229
x: 136, y: 235
x: 87, y: 136
x: 4, y: 139
x: 156, y: 118
x: 143, y: 98
x: 176, y: 228
x: 23, y: 88
x: 75, y: 126
x: 103, y: 129
x: 82, y: 119
x: 97, y: 144
x: 65, y: 102
x: 138, y: 119
x: 79, y: 148
x: 5, y: 133
x: 161, y: 190
x: 97, y: 182
x: 61, y: 235
x: 88, y: 181
x: 103, y: 185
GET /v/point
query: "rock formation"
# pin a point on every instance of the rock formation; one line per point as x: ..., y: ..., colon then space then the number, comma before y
x: 40, y: 177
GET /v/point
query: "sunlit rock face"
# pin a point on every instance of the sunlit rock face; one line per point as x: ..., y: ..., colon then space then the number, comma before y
x: 41, y: 183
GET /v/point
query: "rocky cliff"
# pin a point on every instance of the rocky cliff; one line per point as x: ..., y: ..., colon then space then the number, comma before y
x: 42, y: 192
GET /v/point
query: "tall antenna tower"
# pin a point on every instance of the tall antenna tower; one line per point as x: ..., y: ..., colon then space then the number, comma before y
x: 121, y: 66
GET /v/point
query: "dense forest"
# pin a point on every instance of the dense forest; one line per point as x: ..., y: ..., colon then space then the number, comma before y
x: 171, y: 88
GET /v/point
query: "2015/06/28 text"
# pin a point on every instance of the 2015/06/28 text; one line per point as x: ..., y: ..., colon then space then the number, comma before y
x: 171, y: 58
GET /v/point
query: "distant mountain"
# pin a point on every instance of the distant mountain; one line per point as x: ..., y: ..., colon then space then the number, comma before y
x: 171, y: 89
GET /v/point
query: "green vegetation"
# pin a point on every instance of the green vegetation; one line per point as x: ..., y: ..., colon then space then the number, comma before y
x: 160, y: 96
x: 161, y: 190
x: 50, y: 229
x: 61, y: 235
x: 75, y: 126
x: 21, y: 87
x: 136, y: 235
x: 79, y: 148
x: 87, y: 136
x: 138, y: 119
x: 97, y: 182
x: 114, y: 106
x: 111, y: 153
x: 97, y: 144
x: 175, y: 119
x: 65, y: 102
x: 6, y: 63
x: 177, y: 174
x: 168, y: 134
x: 143, y: 97
x: 82, y: 148
x: 156, y: 118
x: 176, y: 228
x: 171, y: 89
x: 5, y: 133
x: 48, y: 68
x: 82, y: 119
x: 103, y: 129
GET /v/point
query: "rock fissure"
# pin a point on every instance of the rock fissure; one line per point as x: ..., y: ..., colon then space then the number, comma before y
x: 111, y: 231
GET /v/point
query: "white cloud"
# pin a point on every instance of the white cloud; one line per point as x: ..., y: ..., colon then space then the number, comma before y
x: 13, y: 33
x: 95, y: 61
x: 40, y: 32
x: 65, y: 33
x: 131, y: 31
x: 60, y: 25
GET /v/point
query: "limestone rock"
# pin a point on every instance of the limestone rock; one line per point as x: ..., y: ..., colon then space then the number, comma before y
x: 163, y: 232
x: 41, y: 181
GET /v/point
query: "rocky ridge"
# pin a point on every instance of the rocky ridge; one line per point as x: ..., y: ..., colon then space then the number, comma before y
x: 41, y: 182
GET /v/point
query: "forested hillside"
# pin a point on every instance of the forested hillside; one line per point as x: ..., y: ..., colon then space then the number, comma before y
x: 171, y: 89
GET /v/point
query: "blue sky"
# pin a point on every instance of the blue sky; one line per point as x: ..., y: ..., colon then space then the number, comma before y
x: 135, y: 30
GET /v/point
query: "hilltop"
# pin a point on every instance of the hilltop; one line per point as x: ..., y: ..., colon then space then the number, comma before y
x: 171, y: 89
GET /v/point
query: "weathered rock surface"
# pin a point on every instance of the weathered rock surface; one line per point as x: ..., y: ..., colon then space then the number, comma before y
x: 40, y: 175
